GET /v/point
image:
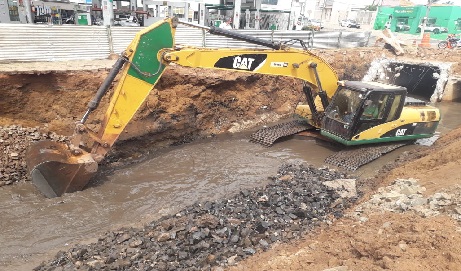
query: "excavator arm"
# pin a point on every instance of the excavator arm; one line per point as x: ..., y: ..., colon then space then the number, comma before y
x: 289, y: 62
x: 140, y: 67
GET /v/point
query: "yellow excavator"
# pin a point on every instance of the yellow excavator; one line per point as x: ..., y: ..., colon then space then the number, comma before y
x: 348, y: 112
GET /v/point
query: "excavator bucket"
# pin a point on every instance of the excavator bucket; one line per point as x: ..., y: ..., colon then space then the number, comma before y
x: 55, y: 170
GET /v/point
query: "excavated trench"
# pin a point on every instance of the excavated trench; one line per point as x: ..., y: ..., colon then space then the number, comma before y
x: 134, y: 188
x: 430, y: 81
x: 420, y: 80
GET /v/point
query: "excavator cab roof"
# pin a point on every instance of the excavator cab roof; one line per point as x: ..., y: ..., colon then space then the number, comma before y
x: 368, y: 85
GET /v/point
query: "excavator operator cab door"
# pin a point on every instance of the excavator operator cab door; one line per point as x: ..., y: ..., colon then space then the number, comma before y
x: 378, y: 107
x: 355, y: 109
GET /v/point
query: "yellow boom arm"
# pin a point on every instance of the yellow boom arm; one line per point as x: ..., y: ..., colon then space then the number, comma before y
x: 288, y: 62
x: 140, y: 76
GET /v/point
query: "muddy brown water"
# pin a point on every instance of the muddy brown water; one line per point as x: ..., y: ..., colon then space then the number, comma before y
x: 33, y: 228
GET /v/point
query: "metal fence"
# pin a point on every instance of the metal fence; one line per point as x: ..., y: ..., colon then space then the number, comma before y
x: 53, y: 43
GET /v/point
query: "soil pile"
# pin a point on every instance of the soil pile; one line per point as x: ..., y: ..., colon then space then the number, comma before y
x: 187, y: 104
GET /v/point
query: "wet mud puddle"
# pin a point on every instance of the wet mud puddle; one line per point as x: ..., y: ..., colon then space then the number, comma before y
x: 166, y: 182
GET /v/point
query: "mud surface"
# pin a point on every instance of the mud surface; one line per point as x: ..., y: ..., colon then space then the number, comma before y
x: 189, y: 104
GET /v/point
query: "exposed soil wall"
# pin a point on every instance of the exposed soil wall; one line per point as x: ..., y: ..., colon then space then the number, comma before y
x: 59, y: 98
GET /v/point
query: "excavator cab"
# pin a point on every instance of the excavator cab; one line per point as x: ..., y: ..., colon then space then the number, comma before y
x: 359, y: 111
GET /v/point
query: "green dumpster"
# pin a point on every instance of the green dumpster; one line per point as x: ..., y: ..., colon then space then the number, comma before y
x: 84, y: 19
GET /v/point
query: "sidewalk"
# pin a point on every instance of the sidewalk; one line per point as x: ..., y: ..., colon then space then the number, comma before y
x: 58, y: 66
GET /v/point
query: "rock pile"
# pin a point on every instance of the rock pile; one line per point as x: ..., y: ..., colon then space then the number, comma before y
x: 407, y: 195
x: 214, y: 234
x: 14, y: 141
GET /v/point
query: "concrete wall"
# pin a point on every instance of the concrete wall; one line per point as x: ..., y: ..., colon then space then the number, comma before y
x: 452, y: 89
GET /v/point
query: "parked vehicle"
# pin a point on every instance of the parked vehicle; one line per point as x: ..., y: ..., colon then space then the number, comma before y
x: 315, y: 23
x: 401, y: 27
x: 97, y: 21
x: 349, y: 23
x: 451, y: 42
x: 126, y: 21
x: 303, y: 23
x: 432, y: 28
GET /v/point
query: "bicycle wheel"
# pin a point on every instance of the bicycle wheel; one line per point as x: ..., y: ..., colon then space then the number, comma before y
x: 442, y: 45
x: 453, y: 44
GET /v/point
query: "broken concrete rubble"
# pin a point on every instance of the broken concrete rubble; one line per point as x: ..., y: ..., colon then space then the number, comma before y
x: 406, y: 195
x: 388, y: 70
x: 389, y: 38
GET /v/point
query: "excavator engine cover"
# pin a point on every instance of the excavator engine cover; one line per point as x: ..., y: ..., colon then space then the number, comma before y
x: 55, y: 170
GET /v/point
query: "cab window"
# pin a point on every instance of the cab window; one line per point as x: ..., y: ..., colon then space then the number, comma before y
x: 345, y: 105
x: 393, y: 112
x: 375, y: 107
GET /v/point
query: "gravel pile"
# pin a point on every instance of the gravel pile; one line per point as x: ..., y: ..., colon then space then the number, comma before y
x: 214, y: 234
x: 405, y: 195
x: 14, y: 141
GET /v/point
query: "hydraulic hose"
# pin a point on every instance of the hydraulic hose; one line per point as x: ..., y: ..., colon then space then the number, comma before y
x: 234, y: 35
x: 94, y: 103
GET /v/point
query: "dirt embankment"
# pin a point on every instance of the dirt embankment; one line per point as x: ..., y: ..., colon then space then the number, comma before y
x: 186, y: 104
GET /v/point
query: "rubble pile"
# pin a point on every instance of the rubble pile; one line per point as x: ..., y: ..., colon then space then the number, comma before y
x: 215, y: 234
x: 14, y: 141
x: 407, y: 195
